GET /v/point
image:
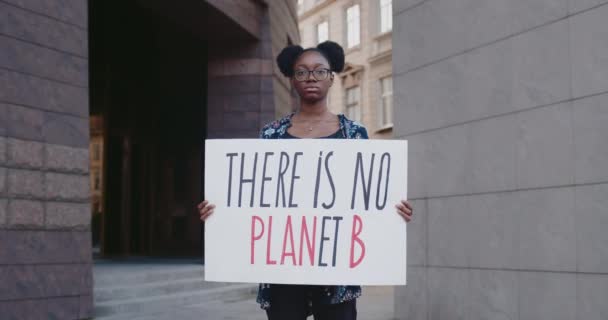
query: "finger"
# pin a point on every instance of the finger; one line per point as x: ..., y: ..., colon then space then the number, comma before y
x: 404, y: 216
x: 209, y: 211
x: 207, y: 208
x: 206, y: 215
x: 403, y: 209
x: 202, y: 204
x: 401, y: 213
x: 406, y: 204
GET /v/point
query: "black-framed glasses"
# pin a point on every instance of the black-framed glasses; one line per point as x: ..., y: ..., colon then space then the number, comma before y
x: 319, y: 74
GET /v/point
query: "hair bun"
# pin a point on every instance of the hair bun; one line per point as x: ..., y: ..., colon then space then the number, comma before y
x: 334, y: 53
x: 287, y: 58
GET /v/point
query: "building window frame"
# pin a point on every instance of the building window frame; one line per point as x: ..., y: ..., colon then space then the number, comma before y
x: 352, y: 106
x: 318, y: 36
x: 385, y: 101
x: 385, y: 16
x: 352, y: 19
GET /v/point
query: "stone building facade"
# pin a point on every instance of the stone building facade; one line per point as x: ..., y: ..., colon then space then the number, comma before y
x: 45, y: 243
x: 163, y: 78
x: 505, y: 106
x: 364, y: 29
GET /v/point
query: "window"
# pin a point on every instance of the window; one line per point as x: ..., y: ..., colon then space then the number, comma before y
x: 386, y: 15
x: 352, y: 26
x: 300, y: 6
x: 353, y: 109
x: 322, y: 31
x: 385, y: 114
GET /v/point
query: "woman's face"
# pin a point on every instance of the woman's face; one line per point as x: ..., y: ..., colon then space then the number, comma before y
x: 309, y: 88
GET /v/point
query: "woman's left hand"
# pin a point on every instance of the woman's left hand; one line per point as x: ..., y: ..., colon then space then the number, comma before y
x: 405, y: 209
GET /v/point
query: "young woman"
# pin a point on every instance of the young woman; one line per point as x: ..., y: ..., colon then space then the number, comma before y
x: 311, y: 72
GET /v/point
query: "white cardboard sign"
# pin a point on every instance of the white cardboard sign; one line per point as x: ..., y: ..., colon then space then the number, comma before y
x: 307, y: 211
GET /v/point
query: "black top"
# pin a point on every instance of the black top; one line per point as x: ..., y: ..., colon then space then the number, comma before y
x: 335, y: 135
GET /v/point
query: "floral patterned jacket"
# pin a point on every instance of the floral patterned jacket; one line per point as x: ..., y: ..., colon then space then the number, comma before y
x: 350, y: 130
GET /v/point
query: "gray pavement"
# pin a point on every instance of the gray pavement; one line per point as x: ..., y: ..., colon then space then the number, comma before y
x: 152, y: 278
x: 377, y: 303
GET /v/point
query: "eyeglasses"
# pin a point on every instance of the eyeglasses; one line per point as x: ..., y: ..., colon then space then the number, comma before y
x: 319, y: 74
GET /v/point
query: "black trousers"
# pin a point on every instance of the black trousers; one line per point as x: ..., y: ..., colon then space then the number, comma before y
x: 291, y: 302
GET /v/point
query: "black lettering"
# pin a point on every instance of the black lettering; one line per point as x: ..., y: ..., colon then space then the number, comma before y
x: 293, y: 178
x: 366, y: 186
x: 264, y: 179
x: 318, y: 180
x: 333, y: 261
x: 231, y: 156
x: 280, y: 181
x: 243, y: 180
x: 323, y: 238
x: 331, y: 182
x: 388, y: 171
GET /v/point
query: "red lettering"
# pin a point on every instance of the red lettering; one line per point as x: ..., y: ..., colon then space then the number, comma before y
x: 288, y: 230
x: 268, y: 261
x: 253, y: 236
x: 310, y: 245
x: 357, y: 227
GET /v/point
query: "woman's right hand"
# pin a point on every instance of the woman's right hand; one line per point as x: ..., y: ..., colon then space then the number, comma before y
x: 205, y: 209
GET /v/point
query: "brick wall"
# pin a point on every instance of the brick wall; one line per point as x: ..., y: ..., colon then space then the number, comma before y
x: 245, y: 88
x: 45, y: 245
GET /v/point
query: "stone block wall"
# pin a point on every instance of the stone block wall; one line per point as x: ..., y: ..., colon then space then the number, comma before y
x: 505, y: 106
x: 45, y: 242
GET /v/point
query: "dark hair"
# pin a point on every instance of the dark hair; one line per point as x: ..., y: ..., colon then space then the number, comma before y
x: 332, y: 51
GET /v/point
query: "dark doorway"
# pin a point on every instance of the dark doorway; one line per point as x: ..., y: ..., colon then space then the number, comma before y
x: 148, y: 83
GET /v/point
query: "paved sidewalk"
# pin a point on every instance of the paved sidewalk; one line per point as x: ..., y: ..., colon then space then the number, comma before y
x: 377, y: 303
